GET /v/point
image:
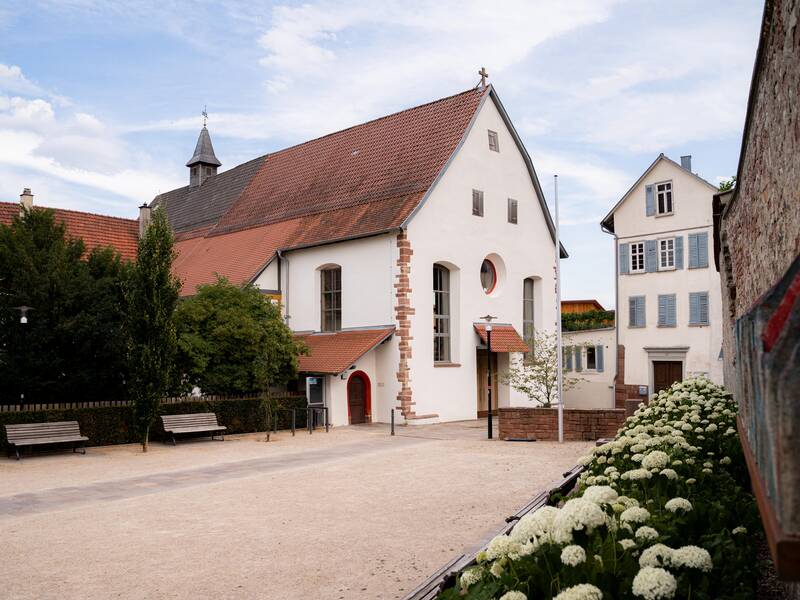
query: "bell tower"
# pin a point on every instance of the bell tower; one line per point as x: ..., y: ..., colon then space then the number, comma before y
x: 204, y: 162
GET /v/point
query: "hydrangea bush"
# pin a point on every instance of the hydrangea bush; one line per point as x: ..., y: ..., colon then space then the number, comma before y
x: 661, y: 512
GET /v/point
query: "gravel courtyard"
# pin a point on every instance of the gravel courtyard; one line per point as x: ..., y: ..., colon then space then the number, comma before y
x: 346, y: 515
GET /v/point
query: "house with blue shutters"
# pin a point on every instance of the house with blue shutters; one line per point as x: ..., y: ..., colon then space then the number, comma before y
x: 669, y: 323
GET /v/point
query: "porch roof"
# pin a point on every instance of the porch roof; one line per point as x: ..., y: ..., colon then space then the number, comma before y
x: 333, y: 353
x: 504, y: 338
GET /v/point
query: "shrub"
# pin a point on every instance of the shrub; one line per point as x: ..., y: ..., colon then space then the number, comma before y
x: 660, y: 512
x: 116, y: 425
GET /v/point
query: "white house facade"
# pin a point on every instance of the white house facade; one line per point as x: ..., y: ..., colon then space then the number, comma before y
x: 386, y: 244
x: 588, y: 361
x: 668, y: 294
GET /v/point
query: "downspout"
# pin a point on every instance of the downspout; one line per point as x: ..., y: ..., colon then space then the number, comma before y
x: 616, y: 313
x: 282, y: 257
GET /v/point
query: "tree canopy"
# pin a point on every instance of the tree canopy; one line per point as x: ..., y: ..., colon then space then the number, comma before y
x: 72, y: 347
x: 233, y: 340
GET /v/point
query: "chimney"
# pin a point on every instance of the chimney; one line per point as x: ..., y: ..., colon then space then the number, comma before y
x: 25, y: 201
x: 686, y: 162
x: 144, y: 219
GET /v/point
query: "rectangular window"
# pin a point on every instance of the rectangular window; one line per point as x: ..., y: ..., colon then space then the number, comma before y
x: 494, y: 145
x: 666, y: 254
x: 664, y: 198
x: 667, y: 311
x: 637, y: 257
x: 331, y: 301
x: 441, y: 314
x: 698, y: 308
x: 512, y: 211
x: 636, y: 311
x: 591, y: 357
x: 528, y: 330
x: 477, y: 203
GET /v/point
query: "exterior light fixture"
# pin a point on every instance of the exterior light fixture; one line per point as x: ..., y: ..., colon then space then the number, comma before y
x: 489, y: 319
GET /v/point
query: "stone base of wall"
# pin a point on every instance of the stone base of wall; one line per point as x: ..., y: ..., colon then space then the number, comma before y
x: 542, y: 423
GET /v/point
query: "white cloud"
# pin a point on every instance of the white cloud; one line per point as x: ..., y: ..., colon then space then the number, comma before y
x: 13, y: 81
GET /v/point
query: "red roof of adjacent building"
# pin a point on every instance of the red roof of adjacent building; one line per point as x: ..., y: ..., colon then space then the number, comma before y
x: 335, y: 352
x: 95, y: 230
x: 504, y: 338
x: 361, y: 181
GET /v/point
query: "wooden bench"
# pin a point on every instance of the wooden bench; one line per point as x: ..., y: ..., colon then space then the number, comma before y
x: 37, y: 434
x: 193, y: 423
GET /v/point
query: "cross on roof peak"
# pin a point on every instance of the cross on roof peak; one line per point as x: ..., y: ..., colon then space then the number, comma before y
x: 484, y: 75
x: 205, y: 115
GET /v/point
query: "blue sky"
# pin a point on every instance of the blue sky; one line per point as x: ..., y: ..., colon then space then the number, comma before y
x: 100, y: 101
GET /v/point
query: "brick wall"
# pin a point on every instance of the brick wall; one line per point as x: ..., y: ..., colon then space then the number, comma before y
x: 403, y: 311
x: 542, y: 423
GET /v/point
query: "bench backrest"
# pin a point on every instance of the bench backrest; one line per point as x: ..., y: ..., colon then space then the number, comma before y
x: 192, y: 420
x: 23, y: 432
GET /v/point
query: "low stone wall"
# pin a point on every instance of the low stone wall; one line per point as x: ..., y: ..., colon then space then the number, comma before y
x: 542, y: 423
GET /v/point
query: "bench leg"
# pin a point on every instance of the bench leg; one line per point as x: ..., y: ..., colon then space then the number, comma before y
x: 82, y: 447
x: 16, y: 450
x: 174, y: 443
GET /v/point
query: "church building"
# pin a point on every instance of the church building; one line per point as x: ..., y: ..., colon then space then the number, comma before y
x: 386, y: 245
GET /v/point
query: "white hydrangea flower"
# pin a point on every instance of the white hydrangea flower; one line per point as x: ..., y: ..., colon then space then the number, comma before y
x: 725, y: 460
x: 577, y: 514
x: 471, y: 577
x: 707, y: 465
x: 646, y: 534
x: 669, y: 474
x: 573, y: 555
x: 585, y: 460
x: 497, y: 569
x: 676, y: 504
x: 501, y: 546
x: 582, y: 591
x: 535, y: 525
x: 657, y: 459
x: 692, y: 557
x: 635, y: 514
x: 708, y: 471
x: 691, y: 481
x: 738, y: 530
x: 653, y: 583
x: 635, y: 474
x: 657, y: 555
x: 637, y: 457
x: 711, y: 428
x: 600, y: 494
x: 513, y: 595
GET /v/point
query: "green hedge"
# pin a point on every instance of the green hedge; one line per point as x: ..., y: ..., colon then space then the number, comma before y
x: 115, y: 425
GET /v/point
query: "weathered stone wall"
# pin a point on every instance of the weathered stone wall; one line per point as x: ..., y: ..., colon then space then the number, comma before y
x: 403, y: 311
x: 542, y: 423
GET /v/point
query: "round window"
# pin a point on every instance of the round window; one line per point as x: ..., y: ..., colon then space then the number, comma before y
x: 488, y: 276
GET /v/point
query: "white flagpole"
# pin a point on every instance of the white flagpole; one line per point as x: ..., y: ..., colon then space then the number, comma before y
x: 559, y: 352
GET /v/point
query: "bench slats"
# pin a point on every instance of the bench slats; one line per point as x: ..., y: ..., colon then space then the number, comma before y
x: 192, y: 423
x: 27, y: 433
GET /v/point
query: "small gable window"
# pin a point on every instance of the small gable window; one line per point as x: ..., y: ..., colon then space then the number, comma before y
x: 664, y: 198
x: 331, y: 301
x: 512, y: 210
x: 477, y: 203
x: 494, y: 144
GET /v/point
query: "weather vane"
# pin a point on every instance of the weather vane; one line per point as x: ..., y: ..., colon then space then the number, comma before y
x: 205, y: 115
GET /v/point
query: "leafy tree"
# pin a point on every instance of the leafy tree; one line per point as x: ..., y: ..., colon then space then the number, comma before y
x: 151, y: 294
x: 728, y: 184
x: 72, y: 347
x: 536, y: 375
x: 232, y: 340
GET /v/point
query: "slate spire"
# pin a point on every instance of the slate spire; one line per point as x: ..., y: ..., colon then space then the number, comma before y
x: 204, y: 162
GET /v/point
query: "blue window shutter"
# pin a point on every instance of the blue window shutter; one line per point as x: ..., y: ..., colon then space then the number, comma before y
x: 704, y: 316
x: 598, y: 353
x: 650, y: 256
x: 702, y: 250
x: 693, y: 257
x: 568, y: 352
x: 578, y: 358
x: 632, y: 311
x: 694, y: 308
x: 624, y: 258
x: 672, y: 316
x: 640, y: 311
x: 662, y: 310
x: 650, y: 202
x: 679, y: 252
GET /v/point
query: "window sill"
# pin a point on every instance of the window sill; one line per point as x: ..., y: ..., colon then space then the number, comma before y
x: 660, y: 269
x: 636, y: 326
x: 636, y: 272
x: 666, y: 214
x: 445, y: 365
x: 703, y: 267
x: 666, y: 326
x: 699, y: 324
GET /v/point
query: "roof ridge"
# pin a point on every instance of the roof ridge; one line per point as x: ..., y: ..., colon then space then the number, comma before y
x: 220, y: 174
x: 72, y: 210
x: 377, y: 119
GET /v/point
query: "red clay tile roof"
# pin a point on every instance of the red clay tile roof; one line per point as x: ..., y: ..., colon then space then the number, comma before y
x: 504, y: 338
x: 95, y: 230
x: 334, y: 353
x: 357, y: 182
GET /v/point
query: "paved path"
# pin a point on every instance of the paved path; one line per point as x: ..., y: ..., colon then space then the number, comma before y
x: 62, y: 498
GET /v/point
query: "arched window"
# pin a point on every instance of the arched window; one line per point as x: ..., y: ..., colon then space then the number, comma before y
x: 441, y: 314
x: 528, y: 329
x: 488, y: 276
x: 331, y: 300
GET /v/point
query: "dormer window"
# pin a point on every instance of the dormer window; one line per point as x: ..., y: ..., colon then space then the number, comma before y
x: 664, y: 198
x: 494, y: 145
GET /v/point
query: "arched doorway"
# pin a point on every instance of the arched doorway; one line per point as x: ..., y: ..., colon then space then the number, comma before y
x: 359, y: 398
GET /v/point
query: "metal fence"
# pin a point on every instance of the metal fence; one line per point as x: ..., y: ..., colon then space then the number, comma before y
x: 4, y: 408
